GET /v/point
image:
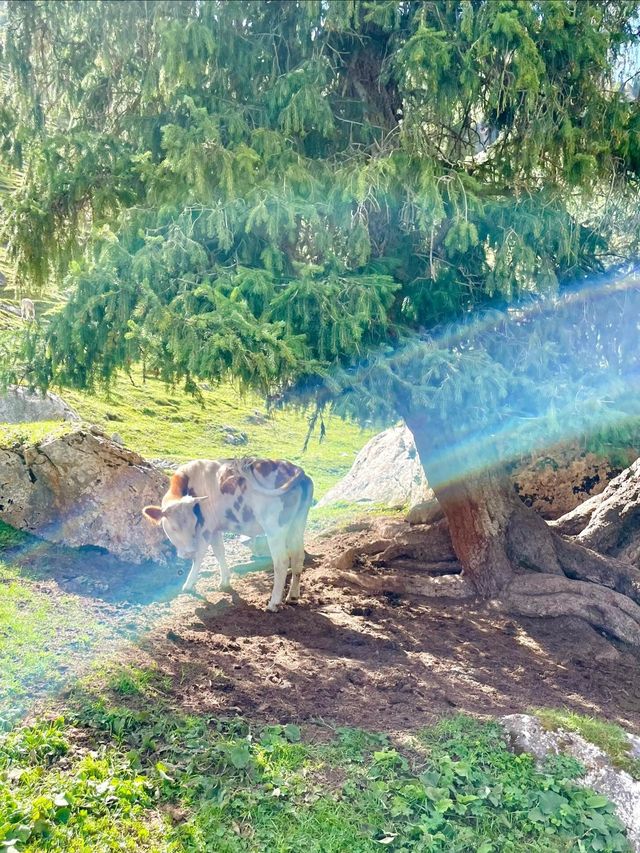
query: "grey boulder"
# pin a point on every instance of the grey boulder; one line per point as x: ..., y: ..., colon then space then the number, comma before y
x: 84, y: 489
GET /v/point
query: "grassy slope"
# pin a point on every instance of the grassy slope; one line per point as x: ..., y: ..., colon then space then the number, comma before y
x: 133, y: 773
x: 164, y: 423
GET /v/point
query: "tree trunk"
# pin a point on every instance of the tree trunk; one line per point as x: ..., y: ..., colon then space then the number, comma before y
x: 494, y: 534
x: 513, y: 556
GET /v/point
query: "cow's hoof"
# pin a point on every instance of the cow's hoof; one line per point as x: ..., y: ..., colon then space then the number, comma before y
x: 293, y: 601
x: 225, y: 587
x: 273, y: 608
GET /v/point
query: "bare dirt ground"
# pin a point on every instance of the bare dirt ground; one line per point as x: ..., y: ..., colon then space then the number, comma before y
x: 344, y: 655
x: 380, y: 660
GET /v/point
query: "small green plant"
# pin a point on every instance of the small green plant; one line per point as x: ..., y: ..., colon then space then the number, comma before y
x: 41, y: 743
x: 10, y: 537
x: 96, y: 800
x: 133, y: 680
x: 238, y: 787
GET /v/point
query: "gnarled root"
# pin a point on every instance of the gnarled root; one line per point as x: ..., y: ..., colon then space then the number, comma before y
x: 402, y: 583
x: 583, y: 564
x: 554, y: 596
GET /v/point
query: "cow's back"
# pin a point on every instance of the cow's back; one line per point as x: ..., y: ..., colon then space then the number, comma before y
x: 238, y: 493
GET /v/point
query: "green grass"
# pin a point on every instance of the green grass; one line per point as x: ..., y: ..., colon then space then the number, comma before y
x: 162, y: 423
x: 29, y: 433
x: 167, y: 424
x: 10, y: 537
x: 340, y: 515
x: 233, y: 787
x: 608, y: 736
x: 39, y: 635
x: 93, y: 801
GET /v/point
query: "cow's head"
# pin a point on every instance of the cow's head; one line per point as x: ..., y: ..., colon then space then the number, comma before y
x: 180, y: 522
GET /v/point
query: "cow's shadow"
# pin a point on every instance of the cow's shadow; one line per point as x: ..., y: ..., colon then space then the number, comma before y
x: 234, y: 617
x: 95, y: 573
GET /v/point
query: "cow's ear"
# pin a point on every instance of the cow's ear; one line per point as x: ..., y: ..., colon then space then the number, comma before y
x: 153, y: 513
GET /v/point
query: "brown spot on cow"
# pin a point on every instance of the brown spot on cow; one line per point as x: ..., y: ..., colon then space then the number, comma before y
x: 247, y: 515
x: 178, y: 487
x: 228, y: 484
x: 231, y: 516
x: 242, y: 484
x: 264, y: 467
x: 284, y: 473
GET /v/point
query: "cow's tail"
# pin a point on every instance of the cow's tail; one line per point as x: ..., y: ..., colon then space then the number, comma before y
x: 307, y: 497
x: 266, y: 490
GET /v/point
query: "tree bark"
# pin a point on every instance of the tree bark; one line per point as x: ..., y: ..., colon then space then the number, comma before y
x: 510, y: 554
x: 494, y: 534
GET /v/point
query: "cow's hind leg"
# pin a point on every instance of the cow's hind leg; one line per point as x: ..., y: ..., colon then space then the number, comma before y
x: 217, y: 546
x: 280, y: 557
x: 296, y: 557
x: 295, y: 541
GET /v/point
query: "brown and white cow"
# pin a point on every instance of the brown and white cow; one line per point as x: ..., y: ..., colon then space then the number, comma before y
x: 248, y: 496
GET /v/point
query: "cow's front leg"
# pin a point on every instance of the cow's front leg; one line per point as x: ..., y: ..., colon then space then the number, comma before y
x: 280, y: 557
x: 192, y: 577
x: 217, y: 546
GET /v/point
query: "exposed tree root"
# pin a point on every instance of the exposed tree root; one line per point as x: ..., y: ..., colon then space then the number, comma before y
x: 550, y: 577
x: 423, y: 545
x: 609, y: 523
x: 410, y: 583
x: 533, y: 544
x: 574, y: 522
x: 583, y: 564
x: 553, y: 596
x: 410, y: 565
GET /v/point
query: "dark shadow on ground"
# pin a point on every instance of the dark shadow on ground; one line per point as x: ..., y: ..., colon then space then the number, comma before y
x: 381, y: 661
x: 94, y: 572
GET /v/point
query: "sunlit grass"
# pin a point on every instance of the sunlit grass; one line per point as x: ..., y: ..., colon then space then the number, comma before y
x: 340, y: 515
x: 168, y: 424
x: 40, y: 637
x: 151, y: 778
x: 608, y: 736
